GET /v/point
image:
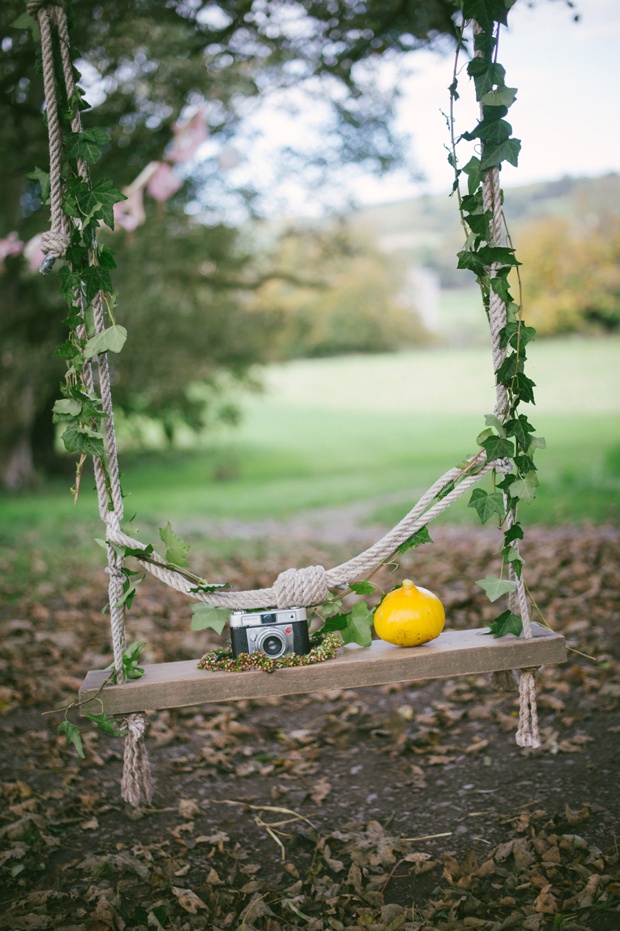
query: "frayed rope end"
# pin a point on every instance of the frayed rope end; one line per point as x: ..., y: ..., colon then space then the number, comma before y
x: 136, y: 787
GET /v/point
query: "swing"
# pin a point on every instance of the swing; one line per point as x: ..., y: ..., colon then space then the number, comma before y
x: 178, y: 684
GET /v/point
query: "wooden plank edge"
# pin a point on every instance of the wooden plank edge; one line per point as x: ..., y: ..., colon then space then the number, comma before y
x: 453, y: 654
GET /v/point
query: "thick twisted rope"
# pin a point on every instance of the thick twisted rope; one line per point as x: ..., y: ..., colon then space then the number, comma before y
x: 311, y: 586
x: 54, y: 243
x: 527, y: 734
x: 51, y: 16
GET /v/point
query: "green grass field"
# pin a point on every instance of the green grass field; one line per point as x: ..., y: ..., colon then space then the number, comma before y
x: 332, y: 431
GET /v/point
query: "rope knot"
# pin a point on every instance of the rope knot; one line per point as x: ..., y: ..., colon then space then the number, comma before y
x: 504, y: 466
x: 34, y: 6
x: 54, y: 246
x: 301, y: 587
x: 136, y: 725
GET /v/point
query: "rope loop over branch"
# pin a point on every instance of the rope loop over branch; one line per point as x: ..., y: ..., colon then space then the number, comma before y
x: 52, y: 20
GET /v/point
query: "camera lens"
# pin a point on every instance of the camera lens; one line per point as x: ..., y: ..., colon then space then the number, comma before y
x: 271, y: 643
x: 272, y: 646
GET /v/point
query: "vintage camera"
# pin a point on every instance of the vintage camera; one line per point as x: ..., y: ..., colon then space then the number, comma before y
x: 273, y: 633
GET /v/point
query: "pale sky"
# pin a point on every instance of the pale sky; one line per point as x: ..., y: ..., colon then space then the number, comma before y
x: 566, y: 114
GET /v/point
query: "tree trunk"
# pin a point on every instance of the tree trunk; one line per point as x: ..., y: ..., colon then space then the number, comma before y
x: 27, y: 443
x: 16, y: 463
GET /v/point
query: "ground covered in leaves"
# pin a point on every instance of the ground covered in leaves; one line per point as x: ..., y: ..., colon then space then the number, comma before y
x: 406, y: 807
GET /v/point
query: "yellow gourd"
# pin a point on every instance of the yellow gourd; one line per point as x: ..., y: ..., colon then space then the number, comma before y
x: 409, y: 616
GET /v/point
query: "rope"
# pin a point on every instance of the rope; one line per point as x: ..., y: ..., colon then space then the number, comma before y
x: 527, y: 733
x: 51, y: 16
x: 55, y: 242
x: 136, y: 780
x: 311, y: 586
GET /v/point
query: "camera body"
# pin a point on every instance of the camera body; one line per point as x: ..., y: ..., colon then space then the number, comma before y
x: 273, y: 633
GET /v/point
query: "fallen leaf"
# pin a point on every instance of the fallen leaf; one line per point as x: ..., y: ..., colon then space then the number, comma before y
x: 188, y: 900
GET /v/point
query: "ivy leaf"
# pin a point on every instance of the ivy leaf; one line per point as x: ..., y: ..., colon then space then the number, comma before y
x: 508, y: 369
x: 491, y: 420
x: 26, y: 21
x: 359, y: 625
x: 500, y: 285
x: 95, y: 278
x: 497, y: 448
x: 131, y: 659
x: 362, y: 588
x: 520, y: 428
x: 208, y: 617
x: 81, y: 439
x: 330, y: 607
x: 105, y: 723
x: 87, y: 144
x: 65, y: 410
x: 336, y: 622
x: 72, y: 733
x: 525, y: 488
x: 474, y: 175
x: 513, y: 558
x: 484, y: 435
x: 522, y: 335
x: 523, y: 388
x: 138, y: 551
x: 536, y: 442
x: 106, y: 257
x: 478, y: 224
x: 506, y: 151
x: 471, y: 261
x: 68, y: 350
x: 43, y: 177
x: 491, y: 131
x: 500, y: 97
x: 506, y: 623
x: 514, y: 533
x: 485, y: 12
x: 111, y: 340
x: 176, y: 548
x: 502, y: 254
x: 445, y: 491
x: 495, y: 588
x: 486, y: 75
x: 487, y: 504
x: 100, y: 201
x: 417, y: 539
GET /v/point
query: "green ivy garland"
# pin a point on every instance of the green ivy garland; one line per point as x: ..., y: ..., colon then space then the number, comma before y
x: 510, y: 435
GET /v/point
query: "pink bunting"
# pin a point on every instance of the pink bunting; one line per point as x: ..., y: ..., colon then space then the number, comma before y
x: 164, y: 183
x: 188, y: 137
x: 129, y: 214
x: 10, y: 245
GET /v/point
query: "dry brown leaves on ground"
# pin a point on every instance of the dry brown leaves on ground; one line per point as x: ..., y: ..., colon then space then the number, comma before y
x: 406, y: 807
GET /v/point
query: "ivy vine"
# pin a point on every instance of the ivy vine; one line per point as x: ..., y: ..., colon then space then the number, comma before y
x: 510, y: 436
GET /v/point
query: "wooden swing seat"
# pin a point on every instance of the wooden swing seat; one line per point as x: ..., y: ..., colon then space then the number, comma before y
x: 453, y: 653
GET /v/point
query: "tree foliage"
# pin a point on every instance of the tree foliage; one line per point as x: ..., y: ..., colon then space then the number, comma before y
x: 146, y: 65
x: 571, y: 275
x: 347, y: 300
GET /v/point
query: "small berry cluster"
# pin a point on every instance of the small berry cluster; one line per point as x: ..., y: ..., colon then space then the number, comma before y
x: 223, y: 660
